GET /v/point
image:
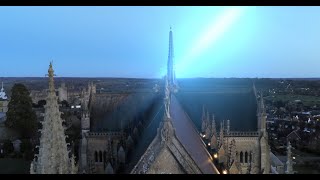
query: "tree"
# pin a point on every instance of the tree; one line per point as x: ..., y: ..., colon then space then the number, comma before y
x: 26, y: 149
x: 65, y: 103
x: 20, y: 115
x: 41, y: 103
x: 8, y: 147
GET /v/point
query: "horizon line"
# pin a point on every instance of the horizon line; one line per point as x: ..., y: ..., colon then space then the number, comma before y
x: 110, y: 77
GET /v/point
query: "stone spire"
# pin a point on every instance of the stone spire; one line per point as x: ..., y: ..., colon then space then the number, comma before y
x: 228, y: 126
x: 213, y: 126
x: 170, y: 68
x: 213, y: 143
x: 221, y: 135
x: 53, y: 157
x: 208, y: 132
x: 289, y: 168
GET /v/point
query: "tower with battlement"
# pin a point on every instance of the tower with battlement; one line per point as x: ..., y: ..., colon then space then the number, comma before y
x: 240, y: 151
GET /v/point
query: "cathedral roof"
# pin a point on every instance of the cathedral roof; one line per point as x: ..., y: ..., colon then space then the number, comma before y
x: 186, y: 146
x: 189, y: 137
x: 275, y: 161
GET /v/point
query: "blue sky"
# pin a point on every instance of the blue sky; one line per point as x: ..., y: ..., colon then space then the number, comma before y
x: 133, y: 41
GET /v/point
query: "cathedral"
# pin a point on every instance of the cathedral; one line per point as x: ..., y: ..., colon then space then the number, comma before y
x: 178, y: 146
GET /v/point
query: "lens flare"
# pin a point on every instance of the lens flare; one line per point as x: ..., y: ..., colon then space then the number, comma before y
x: 207, y: 39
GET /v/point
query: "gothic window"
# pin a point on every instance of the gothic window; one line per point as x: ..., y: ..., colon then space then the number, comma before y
x: 104, y: 156
x: 100, y: 156
x: 246, y: 157
x: 250, y: 159
x: 241, y: 157
x: 96, y: 156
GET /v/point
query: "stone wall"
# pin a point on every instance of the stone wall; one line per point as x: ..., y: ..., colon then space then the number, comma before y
x: 245, y: 145
x: 108, y: 145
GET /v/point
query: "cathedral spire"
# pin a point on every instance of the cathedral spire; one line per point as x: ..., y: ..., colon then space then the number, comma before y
x: 53, y: 157
x: 51, y: 82
x: 170, y: 65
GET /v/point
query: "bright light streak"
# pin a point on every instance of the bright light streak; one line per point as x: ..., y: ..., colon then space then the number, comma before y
x: 211, y: 34
x: 224, y: 172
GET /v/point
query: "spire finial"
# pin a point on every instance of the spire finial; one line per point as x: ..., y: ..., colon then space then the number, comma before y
x: 170, y: 27
x: 51, y: 74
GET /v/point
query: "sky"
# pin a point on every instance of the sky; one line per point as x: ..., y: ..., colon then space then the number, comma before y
x: 264, y: 42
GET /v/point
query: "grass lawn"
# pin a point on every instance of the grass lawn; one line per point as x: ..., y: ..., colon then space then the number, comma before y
x: 14, y: 166
x: 306, y: 100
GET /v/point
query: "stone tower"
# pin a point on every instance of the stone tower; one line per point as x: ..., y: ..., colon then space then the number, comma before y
x: 53, y: 157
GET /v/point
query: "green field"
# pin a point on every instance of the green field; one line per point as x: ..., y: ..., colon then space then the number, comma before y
x: 14, y: 166
x: 306, y: 100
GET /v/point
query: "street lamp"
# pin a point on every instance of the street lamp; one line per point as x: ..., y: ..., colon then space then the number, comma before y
x: 209, y: 144
x: 225, y: 172
x: 215, y: 156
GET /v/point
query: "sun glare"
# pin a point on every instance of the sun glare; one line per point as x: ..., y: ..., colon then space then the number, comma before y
x: 207, y: 38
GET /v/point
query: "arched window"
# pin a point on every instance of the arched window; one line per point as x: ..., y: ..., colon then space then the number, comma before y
x: 104, y: 156
x: 100, y: 156
x: 96, y: 156
x: 241, y: 157
x: 250, y: 157
x: 246, y: 157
